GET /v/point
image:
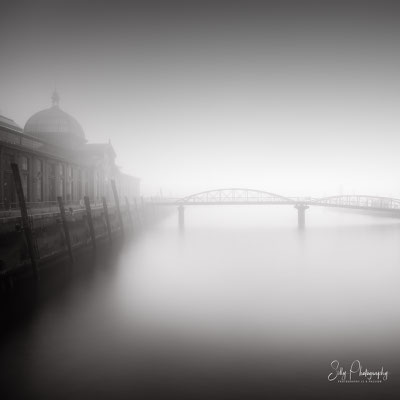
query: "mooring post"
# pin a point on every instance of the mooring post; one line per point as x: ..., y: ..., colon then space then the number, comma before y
x: 65, y: 227
x: 137, y: 212
x: 25, y: 220
x: 116, y: 199
x: 128, y: 207
x: 181, y: 215
x: 301, y: 214
x: 105, y: 208
x: 143, y: 206
x: 90, y: 221
x: 152, y: 210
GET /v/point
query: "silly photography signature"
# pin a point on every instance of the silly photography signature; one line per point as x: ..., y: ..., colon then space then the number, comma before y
x: 356, y: 374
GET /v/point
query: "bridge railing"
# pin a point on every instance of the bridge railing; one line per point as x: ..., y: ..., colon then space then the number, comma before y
x: 361, y: 202
x: 252, y: 197
x: 44, y: 207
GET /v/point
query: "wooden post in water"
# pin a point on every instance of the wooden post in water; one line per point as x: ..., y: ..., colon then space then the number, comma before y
x: 65, y: 227
x: 25, y: 220
x: 128, y: 207
x: 137, y: 212
x: 90, y: 221
x: 105, y: 208
x: 116, y: 198
x: 143, y: 207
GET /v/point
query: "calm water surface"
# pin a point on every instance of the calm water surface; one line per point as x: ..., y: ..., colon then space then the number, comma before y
x: 239, y: 305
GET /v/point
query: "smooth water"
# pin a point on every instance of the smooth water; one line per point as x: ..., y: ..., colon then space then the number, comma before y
x: 240, y: 305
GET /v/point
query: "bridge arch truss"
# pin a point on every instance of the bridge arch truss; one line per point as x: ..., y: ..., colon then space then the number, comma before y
x: 235, y: 196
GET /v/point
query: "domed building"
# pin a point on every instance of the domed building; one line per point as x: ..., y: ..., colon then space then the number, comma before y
x: 55, y: 126
x: 56, y: 160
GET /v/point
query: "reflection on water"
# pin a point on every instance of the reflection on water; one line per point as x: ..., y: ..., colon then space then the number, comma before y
x: 239, y: 304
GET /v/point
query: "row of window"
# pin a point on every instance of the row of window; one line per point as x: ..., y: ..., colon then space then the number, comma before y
x: 65, y: 181
x: 45, y: 180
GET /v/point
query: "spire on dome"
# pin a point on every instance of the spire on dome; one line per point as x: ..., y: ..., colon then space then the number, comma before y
x: 55, y: 98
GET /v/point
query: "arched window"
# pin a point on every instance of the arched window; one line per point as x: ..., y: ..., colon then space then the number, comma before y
x: 39, y: 180
x: 61, y: 180
x: 24, y: 166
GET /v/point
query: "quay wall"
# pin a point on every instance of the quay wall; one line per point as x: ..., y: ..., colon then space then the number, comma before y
x: 49, y: 237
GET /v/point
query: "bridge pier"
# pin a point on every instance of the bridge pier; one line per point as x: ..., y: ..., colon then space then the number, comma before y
x: 181, y: 216
x: 301, y: 215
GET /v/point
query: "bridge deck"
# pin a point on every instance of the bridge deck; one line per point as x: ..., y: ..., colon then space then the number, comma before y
x: 264, y: 203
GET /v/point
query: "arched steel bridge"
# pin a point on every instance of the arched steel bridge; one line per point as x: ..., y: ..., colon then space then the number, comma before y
x: 241, y: 196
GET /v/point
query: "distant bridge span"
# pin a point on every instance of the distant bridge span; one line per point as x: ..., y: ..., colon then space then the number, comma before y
x: 241, y: 196
x: 234, y: 196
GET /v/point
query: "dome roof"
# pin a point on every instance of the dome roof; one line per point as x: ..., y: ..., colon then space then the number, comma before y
x: 55, y: 125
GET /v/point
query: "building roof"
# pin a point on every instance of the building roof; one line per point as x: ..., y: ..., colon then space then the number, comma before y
x: 9, y: 123
x: 99, y: 148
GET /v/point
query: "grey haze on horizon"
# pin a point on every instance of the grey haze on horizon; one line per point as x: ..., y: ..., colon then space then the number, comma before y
x: 298, y: 98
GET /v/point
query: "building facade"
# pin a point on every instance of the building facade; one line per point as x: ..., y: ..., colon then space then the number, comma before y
x: 55, y: 159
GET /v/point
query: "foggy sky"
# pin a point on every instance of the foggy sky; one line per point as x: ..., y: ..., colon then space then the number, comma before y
x: 292, y: 97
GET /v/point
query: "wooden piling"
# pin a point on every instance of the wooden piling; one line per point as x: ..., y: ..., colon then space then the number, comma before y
x: 116, y: 198
x: 143, y: 207
x: 90, y: 221
x: 137, y: 213
x: 65, y: 227
x: 128, y: 208
x: 25, y: 220
x: 105, y: 208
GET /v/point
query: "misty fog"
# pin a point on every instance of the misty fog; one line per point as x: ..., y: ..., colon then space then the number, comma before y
x: 297, y: 100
